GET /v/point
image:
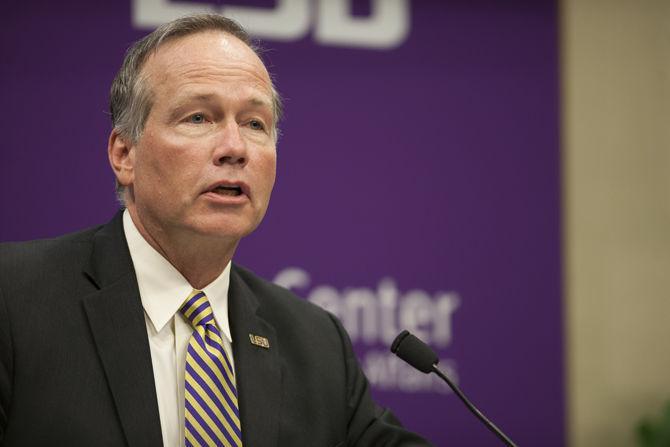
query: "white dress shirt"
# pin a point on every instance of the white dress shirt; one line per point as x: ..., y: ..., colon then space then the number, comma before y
x: 163, y: 290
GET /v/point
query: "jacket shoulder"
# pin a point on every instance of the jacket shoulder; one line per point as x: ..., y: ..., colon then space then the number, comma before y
x: 19, y: 260
x: 276, y: 300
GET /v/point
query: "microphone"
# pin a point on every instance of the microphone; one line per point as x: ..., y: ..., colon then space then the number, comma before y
x: 420, y: 356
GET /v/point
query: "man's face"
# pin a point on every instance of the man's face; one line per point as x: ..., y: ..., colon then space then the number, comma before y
x: 205, y: 163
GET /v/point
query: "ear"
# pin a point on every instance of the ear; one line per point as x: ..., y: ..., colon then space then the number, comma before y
x: 122, y: 158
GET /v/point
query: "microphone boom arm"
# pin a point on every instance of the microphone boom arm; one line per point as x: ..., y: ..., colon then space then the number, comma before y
x: 491, y: 426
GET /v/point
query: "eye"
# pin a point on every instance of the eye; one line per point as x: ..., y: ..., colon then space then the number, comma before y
x: 256, y: 125
x: 197, y: 118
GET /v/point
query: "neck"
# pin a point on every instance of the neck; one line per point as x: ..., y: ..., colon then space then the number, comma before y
x: 199, y: 259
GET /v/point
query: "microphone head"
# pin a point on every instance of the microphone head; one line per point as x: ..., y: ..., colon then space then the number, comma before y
x: 414, y: 351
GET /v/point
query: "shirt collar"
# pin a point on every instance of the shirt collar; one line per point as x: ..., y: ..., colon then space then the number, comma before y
x: 163, y: 289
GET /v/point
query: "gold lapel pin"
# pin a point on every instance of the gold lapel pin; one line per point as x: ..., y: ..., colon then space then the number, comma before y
x: 259, y: 341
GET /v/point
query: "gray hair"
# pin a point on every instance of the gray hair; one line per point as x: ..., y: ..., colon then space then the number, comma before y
x: 131, y: 99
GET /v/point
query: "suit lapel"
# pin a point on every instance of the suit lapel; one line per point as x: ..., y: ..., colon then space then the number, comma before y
x: 116, y: 319
x: 257, y: 369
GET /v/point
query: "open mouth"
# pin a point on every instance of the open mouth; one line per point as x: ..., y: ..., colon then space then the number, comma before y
x: 228, y: 190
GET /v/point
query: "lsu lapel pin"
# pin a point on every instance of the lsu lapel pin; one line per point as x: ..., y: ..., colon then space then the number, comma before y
x: 259, y: 341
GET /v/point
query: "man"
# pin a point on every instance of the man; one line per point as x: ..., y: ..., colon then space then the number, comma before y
x: 142, y: 332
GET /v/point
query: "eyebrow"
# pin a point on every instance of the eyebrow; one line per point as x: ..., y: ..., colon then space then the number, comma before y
x: 210, y: 97
x: 206, y: 97
x: 259, y: 102
x: 186, y: 100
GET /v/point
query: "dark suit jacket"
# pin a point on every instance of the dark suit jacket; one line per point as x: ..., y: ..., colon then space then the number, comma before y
x: 75, y: 364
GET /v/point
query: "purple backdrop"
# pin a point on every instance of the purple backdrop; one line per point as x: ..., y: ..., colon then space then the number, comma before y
x: 417, y: 186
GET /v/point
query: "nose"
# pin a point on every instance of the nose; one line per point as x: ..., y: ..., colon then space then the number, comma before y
x: 231, y: 148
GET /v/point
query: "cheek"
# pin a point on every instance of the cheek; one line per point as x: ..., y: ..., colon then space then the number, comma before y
x: 164, y: 165
x: 270, y: 171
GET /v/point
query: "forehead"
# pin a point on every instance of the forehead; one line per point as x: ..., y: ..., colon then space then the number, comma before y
x: 210, y: 55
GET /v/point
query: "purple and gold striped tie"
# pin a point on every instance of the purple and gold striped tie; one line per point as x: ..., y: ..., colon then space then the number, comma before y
x: 211, y: 413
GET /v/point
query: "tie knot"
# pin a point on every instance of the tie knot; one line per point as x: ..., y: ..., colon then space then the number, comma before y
x: 197, y: 310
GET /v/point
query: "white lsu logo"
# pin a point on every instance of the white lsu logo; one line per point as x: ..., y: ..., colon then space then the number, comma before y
x: 385, y: 28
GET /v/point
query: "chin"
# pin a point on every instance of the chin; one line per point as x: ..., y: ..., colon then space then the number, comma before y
x: 225, y: 228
